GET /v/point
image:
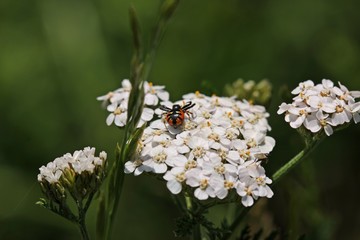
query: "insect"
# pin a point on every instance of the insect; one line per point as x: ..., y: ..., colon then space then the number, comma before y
x: 175, y: 116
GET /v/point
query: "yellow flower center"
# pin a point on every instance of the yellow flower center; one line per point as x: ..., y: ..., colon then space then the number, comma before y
x: 118, y: 111
x: 190, y: 164
x: 220, y: 169
x: 339, y: 109
x: 260, y: 181
x: 214, y: 136
x: 180, y: 177
x: 228, y: 185
x: 160, y: 157
x: 203, y: 184
x: 199, y: 152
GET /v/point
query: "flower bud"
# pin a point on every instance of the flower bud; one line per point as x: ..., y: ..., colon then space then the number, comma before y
x: 79, y: 174
x: 259, y: 93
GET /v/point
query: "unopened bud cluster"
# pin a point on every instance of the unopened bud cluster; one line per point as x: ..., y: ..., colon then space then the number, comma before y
x: 259, y: 93
x: 321, y: 106
x: 79, y: 174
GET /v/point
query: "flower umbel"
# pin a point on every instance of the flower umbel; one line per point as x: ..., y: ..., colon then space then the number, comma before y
x: 322, y: 106
x: 207, y: 151
x: 78, y: 175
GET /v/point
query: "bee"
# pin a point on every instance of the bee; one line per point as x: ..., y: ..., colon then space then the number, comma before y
x: 175, y: 116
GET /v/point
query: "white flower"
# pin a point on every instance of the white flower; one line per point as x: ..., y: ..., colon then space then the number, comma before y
x: 218, y: 136
x: 117, y: 103
x: 118, y: 114
x: 50, y: 173
x: 325, y: 104
x: 154, y: 93
x: 136, y: 166
x: 196, y: 179
x: 161, y: 158
x: 342, y: 114
x: 303, y: 86
x: 229, y: 183
x: 175, y: 177
x: 199, y: 149
x: 315, y: 122
x: 146, y: 116
x: 78, y: 162
x: 297, y: 114
x: 344, y: 94
x: 321, y: 106
x: 247, y: 191
x: 258, y: 173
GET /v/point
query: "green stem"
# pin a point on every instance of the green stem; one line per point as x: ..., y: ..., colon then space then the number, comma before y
x: 140, y: 71
x: 81, y: 221
x: 190, y: 210
x: 188, y: 202
x: 310, y: 146
x: 88, y: 201
x: 197, y: 232
x: 113, y: 199
x: 83, y: 230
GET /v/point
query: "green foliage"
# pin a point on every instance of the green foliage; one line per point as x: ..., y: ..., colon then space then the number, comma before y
x: 187, y: 224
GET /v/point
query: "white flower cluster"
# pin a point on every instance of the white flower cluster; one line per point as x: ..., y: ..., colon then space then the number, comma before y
x: 116, y: 102
x: 79, y: 161
x: 321, y: 106
x: 217, y: 148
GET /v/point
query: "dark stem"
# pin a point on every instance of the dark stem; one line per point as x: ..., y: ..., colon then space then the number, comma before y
x: 81, y: 220
x: 88, y: 201
x: 83, y: 230
x: 197, y: 232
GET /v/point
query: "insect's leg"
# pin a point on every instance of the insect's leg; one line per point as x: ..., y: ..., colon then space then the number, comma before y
x: 164, y: 108
x: 188, y: 106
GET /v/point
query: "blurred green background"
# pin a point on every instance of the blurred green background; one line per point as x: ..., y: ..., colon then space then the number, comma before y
x: 56, y: 57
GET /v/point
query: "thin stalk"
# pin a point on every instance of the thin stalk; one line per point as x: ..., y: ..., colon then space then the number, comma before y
x: 188, y: 202
x: 140, y: 71
x: 197, y: 232
x: 310, y: 145
x: 190, y: 209
x: 88, y: 201
x: 83, y: 230
x: 295, y: 160
x: 81, y: 221
x: 118, y: 181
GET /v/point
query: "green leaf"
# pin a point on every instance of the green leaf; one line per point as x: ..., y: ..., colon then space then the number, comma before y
x: 168, y: 8
x: 135, y: 28
x: 132, y: 143
x: 135, y: 105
